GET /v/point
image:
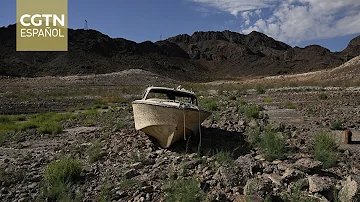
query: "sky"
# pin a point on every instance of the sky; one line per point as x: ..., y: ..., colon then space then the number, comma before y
x: 329, y: 23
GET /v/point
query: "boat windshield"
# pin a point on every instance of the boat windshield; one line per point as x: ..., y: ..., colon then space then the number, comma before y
x: 171, y: 95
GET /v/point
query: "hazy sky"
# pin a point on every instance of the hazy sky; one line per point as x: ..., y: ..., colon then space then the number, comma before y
x: 329, y: 23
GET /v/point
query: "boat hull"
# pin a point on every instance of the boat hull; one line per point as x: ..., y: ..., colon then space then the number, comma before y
x: 166, y: 123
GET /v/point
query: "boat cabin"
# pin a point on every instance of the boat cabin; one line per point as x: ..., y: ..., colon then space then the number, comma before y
x: 177, y: 95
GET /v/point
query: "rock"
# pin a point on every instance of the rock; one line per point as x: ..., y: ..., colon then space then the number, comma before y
x: 350, y: 190
x: 292, y: 174
x: 148, y: 189
x: 260, y: 157
x: 319, y: 184
x: 245, y: 198
x: 260, y: 186
x: 130, y: 173
x: 307, y: 164
x: 275, y: 178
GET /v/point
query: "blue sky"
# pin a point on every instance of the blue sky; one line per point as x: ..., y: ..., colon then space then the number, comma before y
x: 329, y: 23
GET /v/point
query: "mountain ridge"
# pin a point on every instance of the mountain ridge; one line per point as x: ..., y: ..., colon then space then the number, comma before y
x: 202, y: 56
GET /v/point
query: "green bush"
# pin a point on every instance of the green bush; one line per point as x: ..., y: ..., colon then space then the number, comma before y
x: 290, y: 105
x: 260, y: 90
x: 210, y: 104
x: 224, y: 157
x: 336, y: 125
x: 273, y: 144
x: 252, y: 111
x: 186, y: 190
x: 253, y: 135
x: 94, y: 152
x: 325, y: 149
x: 268, y: 99
x: 232, y: 97
x: 241, y: 102
x: 59, y: 177
x: 50, y: 127
x: 3, y: 136
x: 5, y: 119
x: 323, y: 96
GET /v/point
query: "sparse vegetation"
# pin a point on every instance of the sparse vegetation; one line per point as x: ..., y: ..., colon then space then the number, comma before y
x: 210, y: 104
x: 268, y: 100
x: 185, y: 190
x: 59, y: 177
x: 252, y: 111
x: 94, y: 152
x: 260, y: 90
x: 336, y: 125
x: 296, y: 194
x: 323, y: 96
x: 106, y: 193
x: 241, y: 102
x: 253, y: 135
x: 290, y: 105
x: 45, y: 123
x: 224, y: 157
x: 310, y: 111
x: 273, y: 144
x: 325, y: 149
x: 232, y: 97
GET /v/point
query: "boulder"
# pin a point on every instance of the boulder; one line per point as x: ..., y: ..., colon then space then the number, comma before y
x: 320, y: 184
x: 308, y: 164
x: 350, y: 189
x: 260, y: 186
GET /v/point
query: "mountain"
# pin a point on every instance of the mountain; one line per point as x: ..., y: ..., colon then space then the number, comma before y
x: 91, y: 52
x: 231, y: 54
x: 202, y: 56
x: 353, y: 49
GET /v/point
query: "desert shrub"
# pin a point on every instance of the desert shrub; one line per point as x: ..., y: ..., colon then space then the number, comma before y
x: 90, y: 112
x: 260, y: 90
x: 185, y: 190
x: 310, y: 111
x: 89, y: 122
x: 224, y: 157
x: 252, y: 135
x: 296, y: 194
x: 210, y: 104
x: 50, y: 127
x: 105, y: 193
x: 290, y: 105
x: 252, y: 111
x: 3, y: 136
x: 5, y: 119
x: 325, y: 149
x: 336, y: 125
x: 232, y: 97
x: 268, y: 99
x: 94, y: 152
x: 241, y: 102
x: 59, y: 177
x: 323, y: 96
x: 273, y: 144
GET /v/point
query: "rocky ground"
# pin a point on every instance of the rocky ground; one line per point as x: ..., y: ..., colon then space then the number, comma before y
x: 119, y: 163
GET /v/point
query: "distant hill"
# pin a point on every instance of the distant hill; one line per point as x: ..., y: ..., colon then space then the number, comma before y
x: 202, y: 56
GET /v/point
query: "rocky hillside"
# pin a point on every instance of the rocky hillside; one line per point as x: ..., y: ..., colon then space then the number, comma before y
x: 201, y: 56
x: 232, y: 54
x: 93, y: 52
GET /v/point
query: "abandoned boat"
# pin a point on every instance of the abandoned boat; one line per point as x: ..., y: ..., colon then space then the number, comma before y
x: 168, y: 114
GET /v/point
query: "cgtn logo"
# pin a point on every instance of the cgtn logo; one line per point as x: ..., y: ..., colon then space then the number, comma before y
x: 42, y: 25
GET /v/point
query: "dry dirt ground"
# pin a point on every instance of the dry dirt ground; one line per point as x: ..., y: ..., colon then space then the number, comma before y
x: 130, y: 166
